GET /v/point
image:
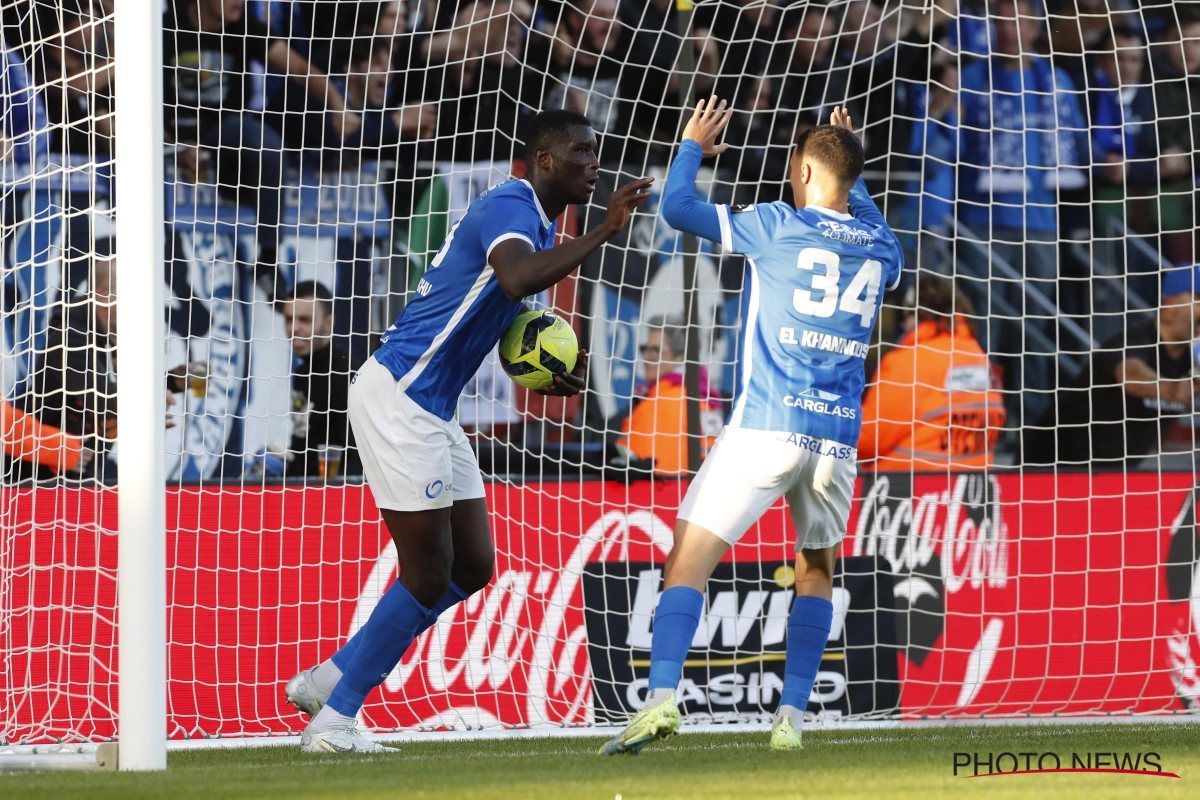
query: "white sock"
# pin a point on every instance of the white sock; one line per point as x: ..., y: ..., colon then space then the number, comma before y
x: 325, y: 676
x: 656, y: 696
x: 796, y: 715
x: 328, y: 719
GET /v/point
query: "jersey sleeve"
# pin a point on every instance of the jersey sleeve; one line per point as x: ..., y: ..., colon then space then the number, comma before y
x: 680, y: 207
x: 510, y: 217
x: 863, y: 208
x: 748, y: 230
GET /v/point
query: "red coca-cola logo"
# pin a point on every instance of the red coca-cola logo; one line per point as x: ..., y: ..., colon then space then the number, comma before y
x: 516, y: 652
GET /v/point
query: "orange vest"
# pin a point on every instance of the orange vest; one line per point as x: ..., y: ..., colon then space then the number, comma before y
x: 657, y: 427
x: 29, y: 440
x: 930, y: 405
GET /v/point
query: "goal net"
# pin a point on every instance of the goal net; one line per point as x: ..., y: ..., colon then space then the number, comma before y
x: 1023, y: 537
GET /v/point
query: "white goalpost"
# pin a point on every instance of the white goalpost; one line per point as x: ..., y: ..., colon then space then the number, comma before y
x: 279, y: 178
x: 141, y: 394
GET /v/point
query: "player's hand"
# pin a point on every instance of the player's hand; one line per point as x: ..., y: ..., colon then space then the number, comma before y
x: 569, y: 384
x: 706, y: 125
x: 623, y: 201
x: 841, y: 118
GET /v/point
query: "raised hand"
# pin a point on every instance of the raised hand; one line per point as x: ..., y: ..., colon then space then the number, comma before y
x: 623, y: 201
x: 706, y: 125
x: 841, y: 118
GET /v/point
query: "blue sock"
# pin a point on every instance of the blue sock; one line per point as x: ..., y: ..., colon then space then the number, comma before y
x: 808, y: 630
x: 675, y: 622
x: 452, y: 596
x: 390, y: 630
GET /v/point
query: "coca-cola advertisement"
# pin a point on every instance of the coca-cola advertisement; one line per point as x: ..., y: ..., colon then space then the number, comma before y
x: 1012, y: 595
x: 735, y: 665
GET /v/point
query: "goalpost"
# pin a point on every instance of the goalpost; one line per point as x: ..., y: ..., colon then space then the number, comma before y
x: 276, y: 204
x: 141, y: 396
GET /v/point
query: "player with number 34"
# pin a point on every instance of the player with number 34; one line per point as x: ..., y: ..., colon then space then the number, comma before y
x: 815, y: 274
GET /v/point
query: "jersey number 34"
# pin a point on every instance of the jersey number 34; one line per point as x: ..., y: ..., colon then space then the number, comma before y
x: 866, y: 281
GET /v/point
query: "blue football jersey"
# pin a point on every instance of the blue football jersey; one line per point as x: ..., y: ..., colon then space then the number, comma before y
x: 459, y: 312
x: 814, y: 284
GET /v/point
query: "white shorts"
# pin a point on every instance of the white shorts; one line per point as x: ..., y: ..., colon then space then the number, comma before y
x: 413, y: 460
x: 748, y: 470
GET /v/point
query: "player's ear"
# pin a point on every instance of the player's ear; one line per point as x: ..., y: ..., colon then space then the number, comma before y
x: 806, y: 173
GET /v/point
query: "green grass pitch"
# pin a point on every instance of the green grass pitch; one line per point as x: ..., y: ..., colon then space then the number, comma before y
x: 913, y: 763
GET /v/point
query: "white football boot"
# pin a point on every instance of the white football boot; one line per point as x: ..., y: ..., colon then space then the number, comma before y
x: 341, y: 740
x: 303, y: 693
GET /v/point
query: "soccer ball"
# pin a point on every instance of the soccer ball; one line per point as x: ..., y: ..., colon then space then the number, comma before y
x: 536, y: 347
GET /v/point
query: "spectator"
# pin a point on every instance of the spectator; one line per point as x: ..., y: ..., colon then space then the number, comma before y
x: 1113, y: 413
x: 209, y: 47
x: 747, y: 29
x: 931, y: 404
x: 1022, y: 140
x: 883, y: 56
x: 366, y: 90
x: 23, y: 125
x: 79, y: 88
x: 585, y: 63
x: 779, y: 98
x: 1138, y: 138
x: 803, y: 57
x: 40, y: 445
x: 657, y: 429
x: 1080, y: 27
x: 73, y: 386
x: 650, y: 78
x: 320, y: 381
x: 489, y: 95
x: 1175, y: 69
x: 973, y: 34
x: 932, y: 141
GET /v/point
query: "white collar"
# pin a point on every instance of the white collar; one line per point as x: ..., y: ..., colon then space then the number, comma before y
x: 538, y: 203
x: 829, y: 212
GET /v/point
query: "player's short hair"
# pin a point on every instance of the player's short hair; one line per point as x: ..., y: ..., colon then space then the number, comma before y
x: 836, y: 149
x: 312, y: 290
x: 549, y: 128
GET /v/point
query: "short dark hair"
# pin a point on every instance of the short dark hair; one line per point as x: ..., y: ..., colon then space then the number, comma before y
x: 834, y: 148
x: 311, y: 290
x: 548, y: 128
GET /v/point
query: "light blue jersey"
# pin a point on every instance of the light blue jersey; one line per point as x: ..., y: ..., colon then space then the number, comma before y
x: 814, y: 284
x: 459, y: 311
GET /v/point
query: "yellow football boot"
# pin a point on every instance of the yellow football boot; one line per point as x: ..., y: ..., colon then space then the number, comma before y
x: 660, y: 722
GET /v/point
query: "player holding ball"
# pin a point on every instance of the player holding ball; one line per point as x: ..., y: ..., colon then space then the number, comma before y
x: 812, y: 292
x: 417, y: 460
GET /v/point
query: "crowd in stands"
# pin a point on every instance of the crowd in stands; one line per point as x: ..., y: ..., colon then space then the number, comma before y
x: 1000, y: 136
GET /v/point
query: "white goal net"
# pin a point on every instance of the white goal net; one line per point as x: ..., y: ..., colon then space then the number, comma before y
x: 1023, y: 539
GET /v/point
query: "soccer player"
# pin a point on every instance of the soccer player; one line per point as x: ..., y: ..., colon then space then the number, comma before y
x: 814, y: 274
x: 417, y: 460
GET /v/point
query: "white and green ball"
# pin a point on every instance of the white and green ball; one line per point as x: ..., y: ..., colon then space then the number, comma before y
x: 536, y: 347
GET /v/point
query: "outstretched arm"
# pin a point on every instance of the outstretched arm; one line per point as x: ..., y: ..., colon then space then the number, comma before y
x: 681, y: 208
x: 522, y: 271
